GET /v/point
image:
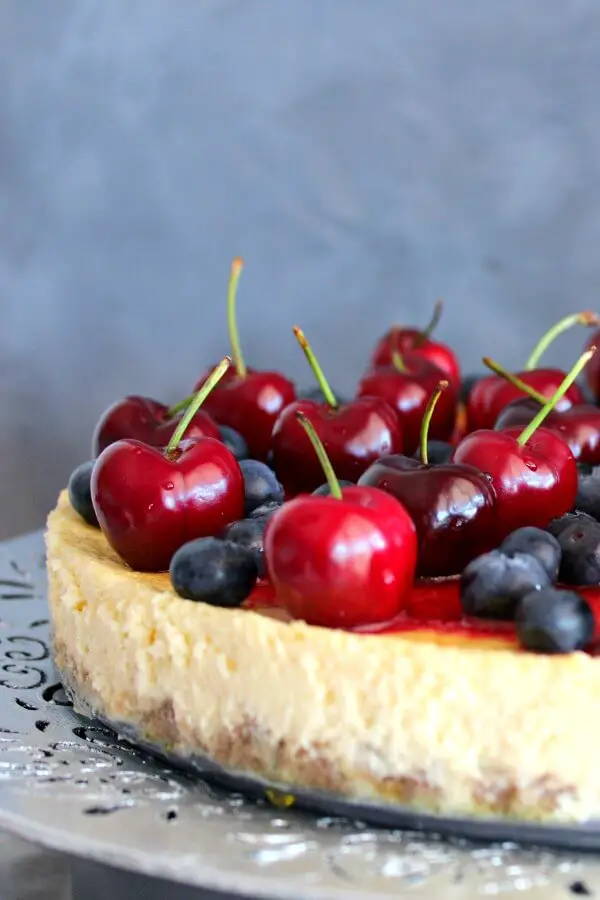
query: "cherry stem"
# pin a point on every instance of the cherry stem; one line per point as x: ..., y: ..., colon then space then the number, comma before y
x: 234, y: 338
x: 397, y: 361
x: 514, y: 380
x: 431, y: 405
x: 433, y: 323
x: 331, y: 477
x: 197, y: 401
x: 581, y: 318
x: 179, y: 407
x: 317, y: 370
x: 557, y: 395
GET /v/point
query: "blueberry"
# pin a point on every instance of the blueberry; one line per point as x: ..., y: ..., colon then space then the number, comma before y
x: 438, y: 452
x: 585, y: 468
x: 260, y: 485
x: 554, y: 621
x: 217, y: 572
x: 588, y: 493
x: 250, y: 533
x: 324, y: 490
x: 234, y: 441
x: 535, y: 542
x: 468, y: 383
x: 492, y: 584
x: 266, y: 510
x: 580, y: 545
x: 557, y: 526
x: 80, y: 494
x: 316, y: 394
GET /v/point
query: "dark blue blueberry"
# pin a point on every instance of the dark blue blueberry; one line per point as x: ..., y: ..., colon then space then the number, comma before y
x: 234, y: 441
x: 266, y: 510
x: 260, y: 485
x: 250, y: 533
x: 80, y: 495
x: 316, y: 394
x: 588, y: 493
x: 217, y: 572
x: 467, y: 384
x: 492, y: 584
x: 557, y: 526
x: 535, y: 542
x: 554, y: 621
x: 585, y: 468
x: 324, y: 490
x: 579, y: 539
x: 438, y: 452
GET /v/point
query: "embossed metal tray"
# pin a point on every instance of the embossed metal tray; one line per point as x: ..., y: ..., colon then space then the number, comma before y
x: 74, y: 785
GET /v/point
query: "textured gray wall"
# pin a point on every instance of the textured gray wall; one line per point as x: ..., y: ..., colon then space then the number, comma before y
x: 364, y: 156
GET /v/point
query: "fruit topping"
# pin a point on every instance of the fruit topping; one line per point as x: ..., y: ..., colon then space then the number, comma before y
x: 579, y: 538
x: 418, y: 341
x: 222, y: 573
x: 149, y: 502
x: 492, y: 585
x: 250, y: 534
x: 437, y: 453
x: 406, y: 385
x: 533, y: 471
x: 80, y: 493
x: 234, y: 441
x: 354, y: 435
x: 491, y: 394
x: 265, y: 509
x: 588, y: 493
x: 538, y: 543
x: 325, y: 490
x: 344, y: 560
x: 554, y: 621
x: 260, y: 485
x: 247, y: 400
x: 452, y: 505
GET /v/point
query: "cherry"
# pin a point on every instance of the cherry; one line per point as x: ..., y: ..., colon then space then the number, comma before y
x: 407, y: 384
x: 490, y: 395
x: 533, y: 470
x: 578, y: 426
x: 344, y: 560
x: 149, y: 503
x: 452, y: 505
x: 413, y: 340
x: 592, y: 372
x: 148, y: 421
x: 354, y: 434
x: 247, y: 400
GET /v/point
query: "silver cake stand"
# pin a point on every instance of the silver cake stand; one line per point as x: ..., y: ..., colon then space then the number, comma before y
x: 134, y: 827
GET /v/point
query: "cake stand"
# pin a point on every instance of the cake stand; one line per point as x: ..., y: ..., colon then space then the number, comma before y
x: 137, y: 827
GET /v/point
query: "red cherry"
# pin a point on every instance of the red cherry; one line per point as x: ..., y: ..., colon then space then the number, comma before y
x: 492, y: 394
x: 150, y: 503
x: 578, y: 426
x: 148, y: 421
x: 247, y: 400
x: 533, y: 471
x: 406, y: 385
x: 405, y: 340
x: 341, y: 561
x: 354, y: 434
x: 453, y: 506
x: 592, y: 372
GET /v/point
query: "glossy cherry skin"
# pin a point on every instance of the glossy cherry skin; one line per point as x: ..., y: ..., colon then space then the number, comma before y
x: 251, y: 405
x: 453, y: 507
x: 579, y: 426
x: 492, y: 394
x: 592, y: 370
x: 408, y: 394
x: 342, y: 563
x: 410, y: 340
x: 146, y: 420
x: 355, y: 435
x: 149, y: 505
x: 533, y: 484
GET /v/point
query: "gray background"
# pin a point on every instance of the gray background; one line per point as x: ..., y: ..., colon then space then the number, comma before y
x: 364, y: 156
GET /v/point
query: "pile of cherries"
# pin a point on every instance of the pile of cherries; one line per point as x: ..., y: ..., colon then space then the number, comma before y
x: 343, y: 506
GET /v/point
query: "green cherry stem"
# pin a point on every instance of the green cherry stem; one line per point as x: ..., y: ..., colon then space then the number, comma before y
x: 234, y: 338
x: 317, y: 370
x: 514, y: 380
x: 334, y: 485
x: 179, y: 407
x: 557, y: 395
x: 397, y: 361
x: 197, y: 401
x: 427, y: 415
x: 433, y: 324
x: 581, y: 318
